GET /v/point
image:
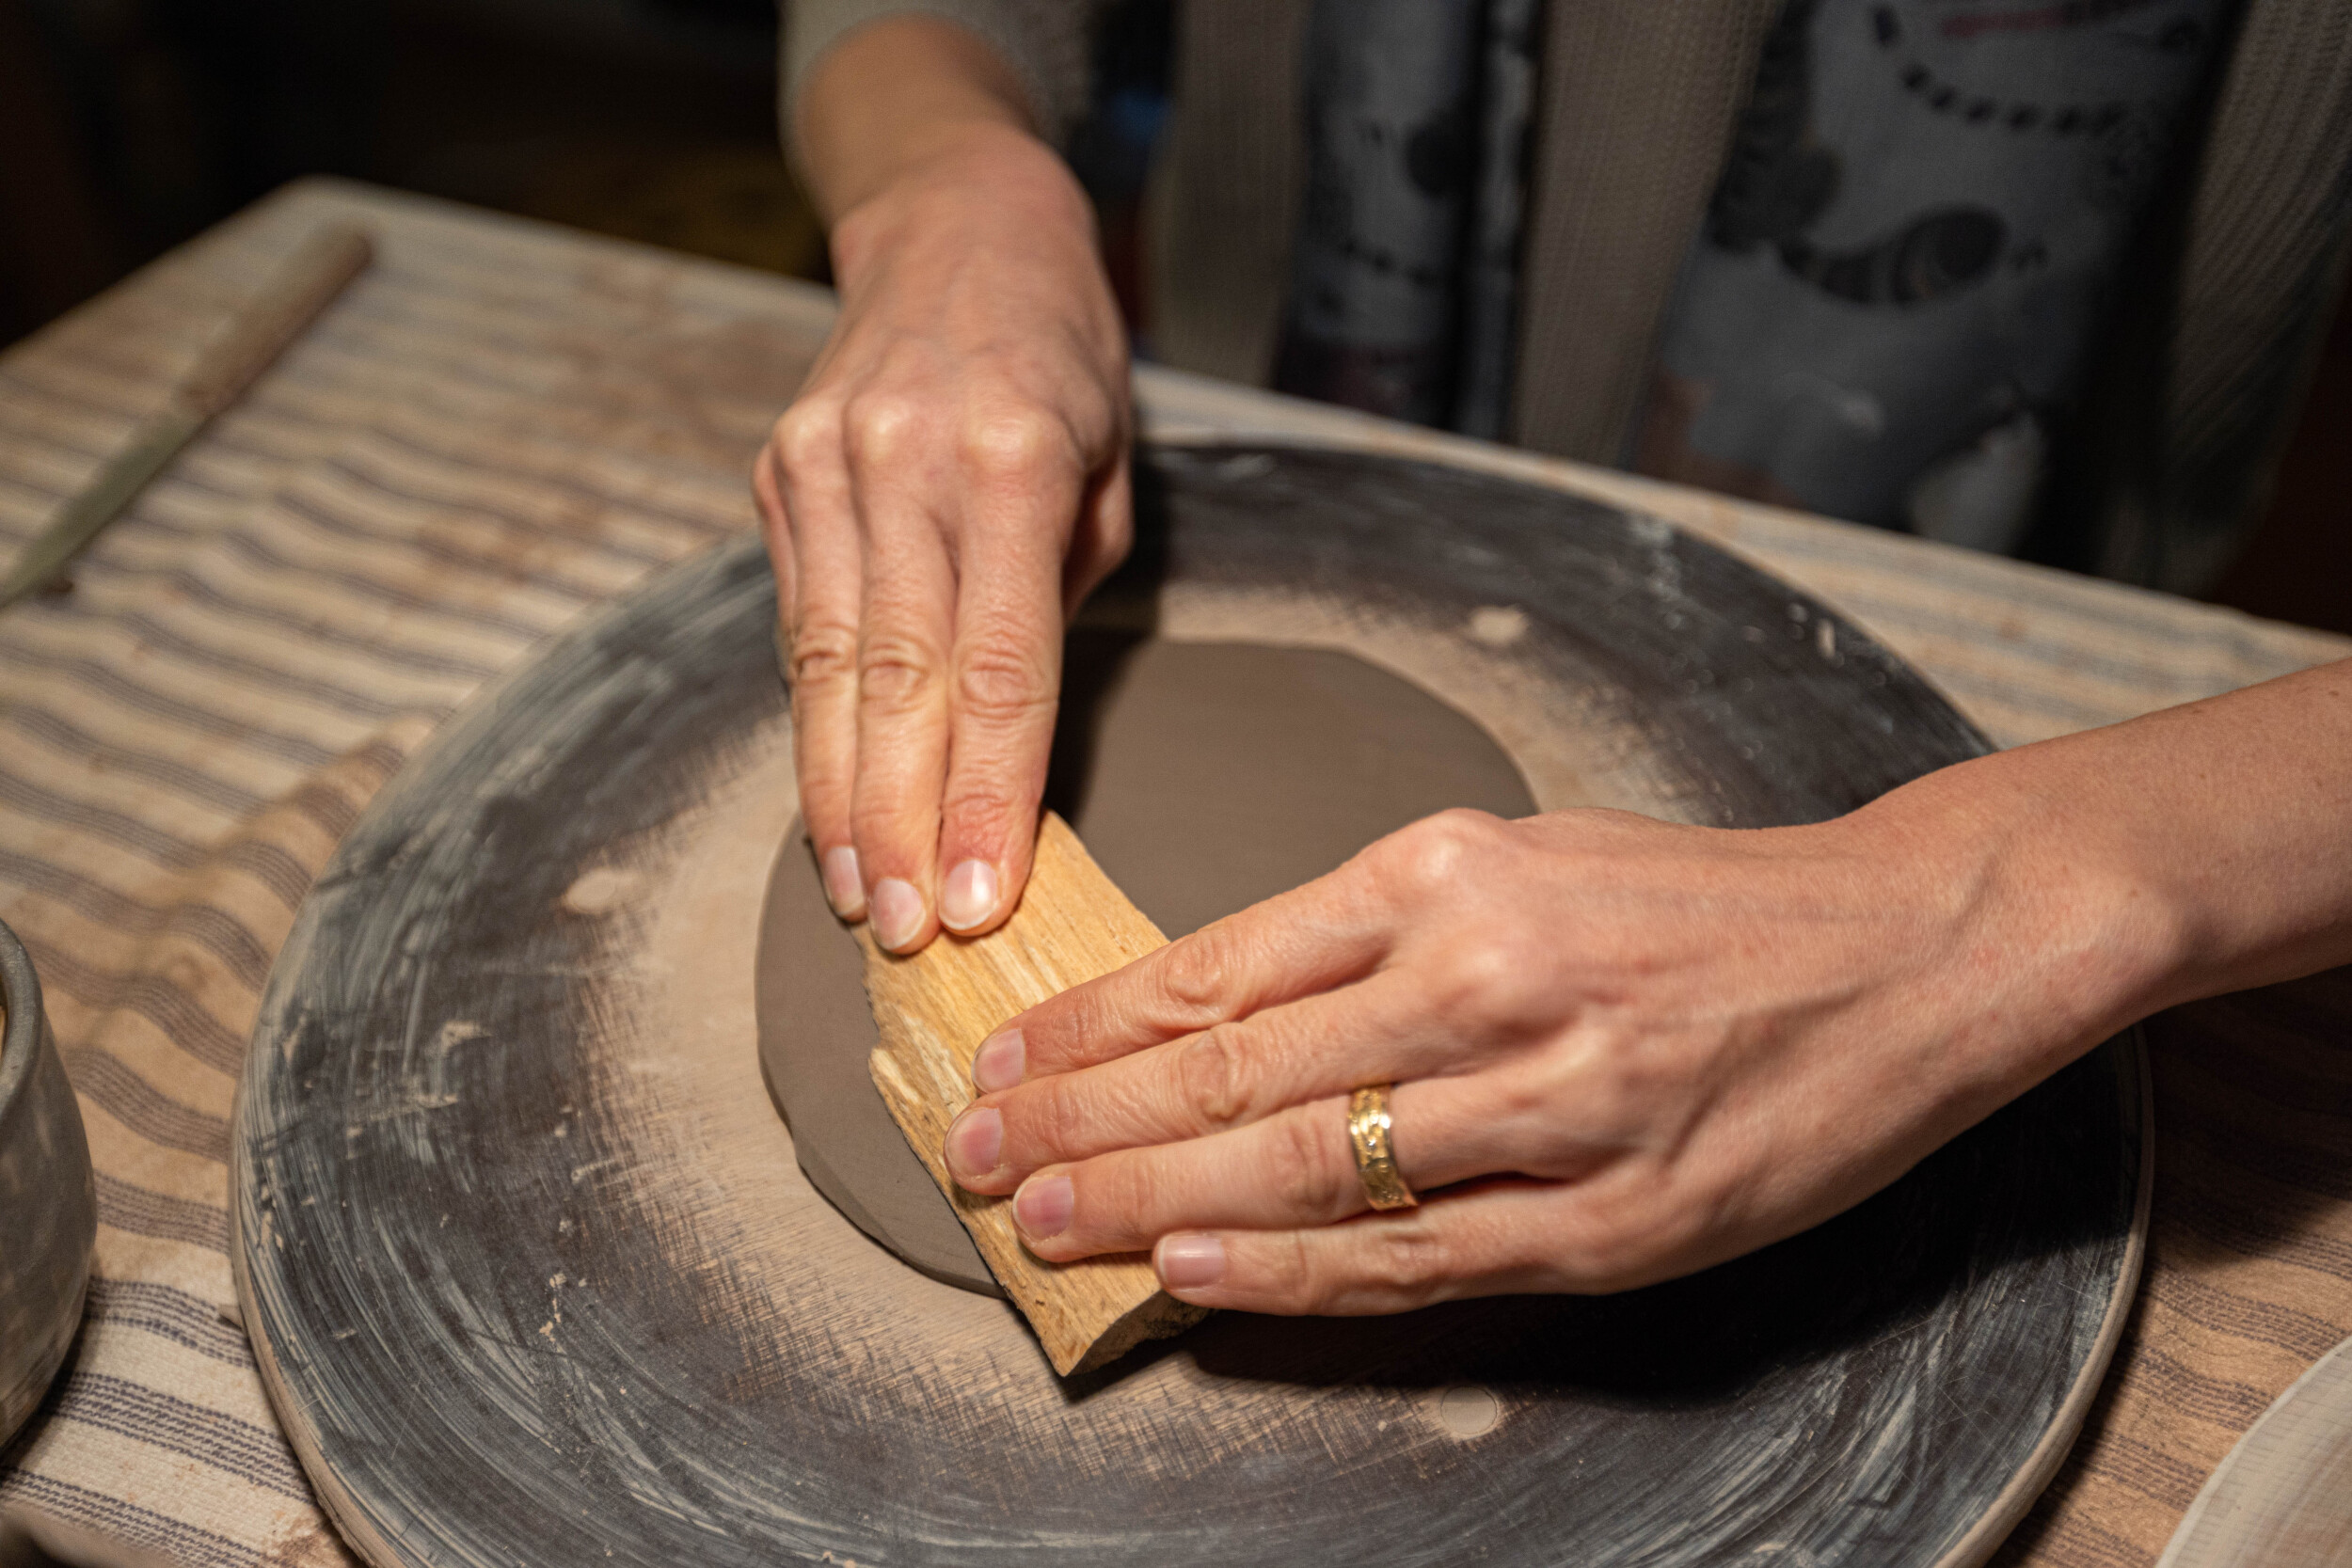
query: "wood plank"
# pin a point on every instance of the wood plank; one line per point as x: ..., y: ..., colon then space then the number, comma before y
x: 935, y: 1007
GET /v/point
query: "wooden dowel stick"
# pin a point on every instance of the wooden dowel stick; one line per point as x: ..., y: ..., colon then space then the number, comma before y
x: 287, y: 302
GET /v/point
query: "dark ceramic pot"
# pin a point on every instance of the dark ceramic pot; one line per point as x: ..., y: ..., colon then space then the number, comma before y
x: 48, y: 1207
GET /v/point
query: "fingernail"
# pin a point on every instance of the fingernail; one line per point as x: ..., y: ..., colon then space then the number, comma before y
x: 898, y: 912
x: 969, y: 897
x: 999, y: 1061
x: 975, y: 1142
x: 1041, y: 1207
x: 1189, y: 1263
x: 845, y: 889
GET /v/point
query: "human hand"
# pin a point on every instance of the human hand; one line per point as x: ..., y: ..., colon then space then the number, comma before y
x: 951, y: 482
x: 1624, y: 1050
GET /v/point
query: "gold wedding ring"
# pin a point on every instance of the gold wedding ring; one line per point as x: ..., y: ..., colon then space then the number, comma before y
x: 1367, y: 1126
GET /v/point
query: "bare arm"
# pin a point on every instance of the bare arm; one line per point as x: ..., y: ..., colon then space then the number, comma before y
x: 895, y: 95
x: 2222, y: 828
x: 950, y: 481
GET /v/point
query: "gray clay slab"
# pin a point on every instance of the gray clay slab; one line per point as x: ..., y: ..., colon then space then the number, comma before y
x: 533, y: 1283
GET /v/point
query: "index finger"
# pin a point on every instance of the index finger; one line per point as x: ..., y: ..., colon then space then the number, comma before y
x: 1333, y: 930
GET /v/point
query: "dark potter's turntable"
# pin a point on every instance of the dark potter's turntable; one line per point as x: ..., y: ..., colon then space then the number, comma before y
x: 535, y: 1278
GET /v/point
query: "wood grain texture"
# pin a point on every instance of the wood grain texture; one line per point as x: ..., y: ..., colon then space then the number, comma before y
x: 287, y: 300
x: 935, y: 1007
x: 534, y: 1279
x: 2283, y: 1496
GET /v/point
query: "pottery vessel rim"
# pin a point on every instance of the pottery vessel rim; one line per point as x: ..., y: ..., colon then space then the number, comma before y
x: 20, y: 1042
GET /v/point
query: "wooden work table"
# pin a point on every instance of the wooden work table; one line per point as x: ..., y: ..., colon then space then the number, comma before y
x: 502, y: 425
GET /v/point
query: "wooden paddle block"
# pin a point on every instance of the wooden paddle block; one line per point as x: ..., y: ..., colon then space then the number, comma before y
x: 933, y: 1009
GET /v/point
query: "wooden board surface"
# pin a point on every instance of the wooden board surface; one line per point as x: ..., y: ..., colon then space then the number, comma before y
x: 935, y: 1007
x: 2284, y: 1498
x: 534, y: 1279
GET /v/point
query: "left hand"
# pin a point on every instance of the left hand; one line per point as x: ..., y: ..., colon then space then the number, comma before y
x: 1624, y: 1050
x: 949, y: 486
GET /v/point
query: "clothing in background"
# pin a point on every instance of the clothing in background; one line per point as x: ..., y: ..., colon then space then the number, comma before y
x: 1490, y: 265
x: 1404, y: 268
x: 1110, y: 150
x: 2158, y: 413
x: 1912, y: 253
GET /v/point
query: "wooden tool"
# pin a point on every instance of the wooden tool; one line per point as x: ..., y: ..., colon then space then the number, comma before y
x: 285, y: 304
x: 935, y: 1007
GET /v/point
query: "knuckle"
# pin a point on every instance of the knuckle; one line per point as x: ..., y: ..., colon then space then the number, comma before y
x: 1292, y: 1284
x: 1192, y: 973
x: 807, y: 433
x: 1015, y: 446
x: 1306, y: 1168
x: 1003, y: 679
x: 1212, y: 1081
x: 1483, y: 971
x: 824, y: 653
x: 878, y: 429
x: 1436, y: 852
x: 984, y: 811
x: 1409, y: 1256
x: 897, y: 672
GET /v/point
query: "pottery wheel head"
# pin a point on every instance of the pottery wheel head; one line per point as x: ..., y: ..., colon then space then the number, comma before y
x: 532, y: 1277
x: 1203, y: 777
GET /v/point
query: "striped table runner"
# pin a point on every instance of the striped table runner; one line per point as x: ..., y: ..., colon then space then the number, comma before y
x: 501, y: 425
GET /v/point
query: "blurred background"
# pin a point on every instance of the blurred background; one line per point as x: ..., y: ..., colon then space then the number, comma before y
x: 127, y: 126
x: 131, y: 125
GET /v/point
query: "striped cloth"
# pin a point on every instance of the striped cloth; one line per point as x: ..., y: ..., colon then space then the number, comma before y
x: 500, y: 426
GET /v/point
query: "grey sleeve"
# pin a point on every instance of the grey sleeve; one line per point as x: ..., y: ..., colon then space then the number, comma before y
x: 1046, y: 42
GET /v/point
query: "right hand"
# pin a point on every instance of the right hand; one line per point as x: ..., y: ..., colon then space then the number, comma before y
x: 1623, y: 1050
x: 949, y: 484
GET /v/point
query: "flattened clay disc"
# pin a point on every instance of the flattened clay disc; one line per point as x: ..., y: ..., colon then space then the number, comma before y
x: 1203, y: 778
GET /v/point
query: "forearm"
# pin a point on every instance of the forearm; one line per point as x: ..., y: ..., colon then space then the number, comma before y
x: 898, y: 95
x: 912, y: 128
x: 2203, y: 848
